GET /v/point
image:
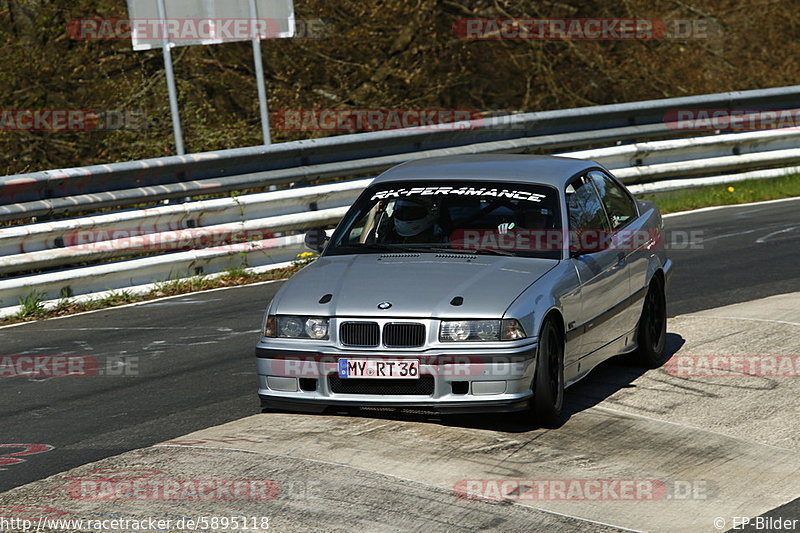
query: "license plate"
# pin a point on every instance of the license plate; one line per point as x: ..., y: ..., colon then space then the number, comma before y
x: 379, y: 368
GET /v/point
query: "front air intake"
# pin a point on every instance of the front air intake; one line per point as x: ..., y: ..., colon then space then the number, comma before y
x: 360, y: 334
x: 423, y: 386
x: 398, y: 335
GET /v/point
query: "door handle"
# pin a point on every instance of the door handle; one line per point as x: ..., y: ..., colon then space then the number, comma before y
x: 622, y: 260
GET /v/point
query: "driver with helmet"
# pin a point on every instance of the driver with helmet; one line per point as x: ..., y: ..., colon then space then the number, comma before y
x: 415, y: 220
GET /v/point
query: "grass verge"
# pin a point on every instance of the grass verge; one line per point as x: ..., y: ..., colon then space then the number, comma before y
x: 33, y: 308
x: 742, y: 192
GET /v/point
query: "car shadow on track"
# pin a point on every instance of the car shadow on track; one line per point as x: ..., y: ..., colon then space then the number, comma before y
x: 607, y: 378
x: 611, y: 376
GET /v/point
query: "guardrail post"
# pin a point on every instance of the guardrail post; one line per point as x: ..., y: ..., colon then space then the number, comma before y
x: 173, y: 91
x: 260, y: 81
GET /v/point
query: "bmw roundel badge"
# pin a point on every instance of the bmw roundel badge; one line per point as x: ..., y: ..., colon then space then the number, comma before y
x: 383, y: 306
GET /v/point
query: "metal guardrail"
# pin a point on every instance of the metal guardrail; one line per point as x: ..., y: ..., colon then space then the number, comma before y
x: 699, y: 156
x: 58, y: 244
x: 81, y: 189
x: 44, y: 245
x: 60, y: 234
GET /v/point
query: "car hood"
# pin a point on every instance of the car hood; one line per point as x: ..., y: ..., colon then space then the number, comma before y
x: 416, y: 285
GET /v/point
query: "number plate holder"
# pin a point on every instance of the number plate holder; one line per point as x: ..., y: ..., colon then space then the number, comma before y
x: 379, y: 368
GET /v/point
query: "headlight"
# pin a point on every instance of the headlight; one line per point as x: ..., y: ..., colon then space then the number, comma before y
x: 290, y: 327
x: 297, y: 327
x: 317, y: 328
x: 455, y: 331
x: 480, y: 330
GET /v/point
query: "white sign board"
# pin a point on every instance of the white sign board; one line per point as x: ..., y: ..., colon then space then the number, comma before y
x: 203, y: 22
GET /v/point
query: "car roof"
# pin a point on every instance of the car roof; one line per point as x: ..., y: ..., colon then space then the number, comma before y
x: 547, y: 170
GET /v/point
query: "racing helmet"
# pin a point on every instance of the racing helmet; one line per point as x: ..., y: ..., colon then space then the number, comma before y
x: 412, y: 216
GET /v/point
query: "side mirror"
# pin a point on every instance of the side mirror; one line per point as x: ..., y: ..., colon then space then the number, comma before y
x: 316, y: 239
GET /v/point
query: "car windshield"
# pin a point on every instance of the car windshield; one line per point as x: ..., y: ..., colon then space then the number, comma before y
x: 490, y: 218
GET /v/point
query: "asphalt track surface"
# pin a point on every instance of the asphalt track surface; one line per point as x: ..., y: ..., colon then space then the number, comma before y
x: 191, y: 365
x: 745, y: 253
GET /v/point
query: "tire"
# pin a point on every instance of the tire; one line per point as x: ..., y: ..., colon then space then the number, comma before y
x: 548, y: 384
x: 651, y: 335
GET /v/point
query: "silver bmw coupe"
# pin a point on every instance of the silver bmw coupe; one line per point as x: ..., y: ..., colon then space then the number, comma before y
x: 470, y: 284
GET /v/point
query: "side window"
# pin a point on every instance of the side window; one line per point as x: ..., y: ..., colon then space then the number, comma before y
x: 619, y: 206
x: 588, y: 223
x: 584, y: 208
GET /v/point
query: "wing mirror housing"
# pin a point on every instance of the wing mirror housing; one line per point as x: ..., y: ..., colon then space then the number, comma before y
x: 316, y: 239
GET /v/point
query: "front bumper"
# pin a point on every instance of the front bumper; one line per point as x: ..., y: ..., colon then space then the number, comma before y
x: 496, y: 379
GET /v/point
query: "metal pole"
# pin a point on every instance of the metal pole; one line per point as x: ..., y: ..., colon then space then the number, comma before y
x: 173, y: 90
x: 262, y: 86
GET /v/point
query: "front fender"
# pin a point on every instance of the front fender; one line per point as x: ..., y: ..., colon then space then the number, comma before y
x: 557, y: 290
